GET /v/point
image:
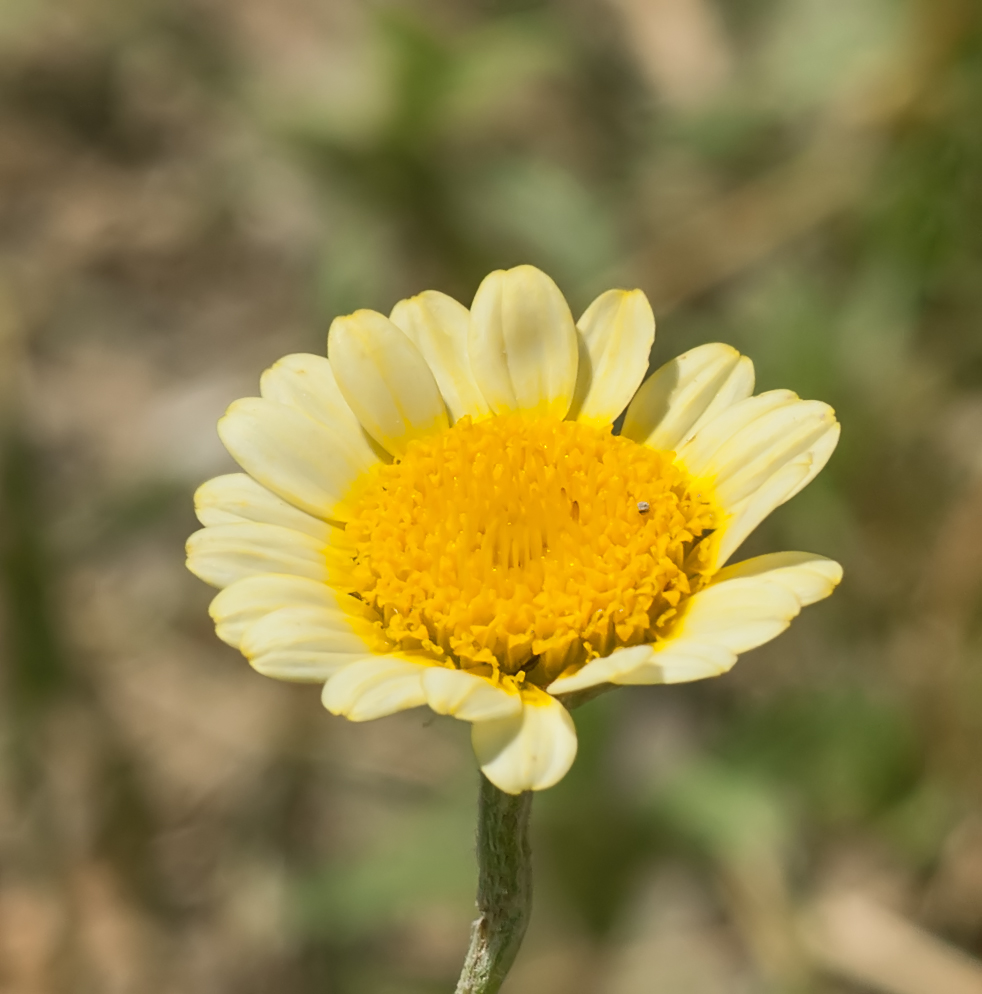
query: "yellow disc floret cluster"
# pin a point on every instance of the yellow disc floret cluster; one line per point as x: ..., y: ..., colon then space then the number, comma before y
x: 528, y: 546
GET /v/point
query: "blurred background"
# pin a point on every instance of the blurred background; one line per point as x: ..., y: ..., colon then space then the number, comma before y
x: 190, y: 189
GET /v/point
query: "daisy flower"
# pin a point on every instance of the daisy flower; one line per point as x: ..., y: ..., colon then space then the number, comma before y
x: 439, y: 513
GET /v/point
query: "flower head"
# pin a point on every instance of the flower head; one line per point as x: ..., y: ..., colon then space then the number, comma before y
x: 439, y: 513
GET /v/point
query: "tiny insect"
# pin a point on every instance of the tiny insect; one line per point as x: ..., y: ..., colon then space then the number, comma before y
x: 643, y: 506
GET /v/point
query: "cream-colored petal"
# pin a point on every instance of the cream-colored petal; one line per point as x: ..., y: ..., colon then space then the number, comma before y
x: 385, y: 380
x: 318, y: 628
x: 786, y: 481
x: 750, y: 512
x: 468, y: 696
x: 746, y: 605
x: 222, y: 554
x: 697, y: 453
x: 303, y: 665
x: 302, y: 460
x: 817, y: 456
x: 738, y: 615
x: 604, y: 670
x: 672, y: 661
x: 237, y: 498
x: 615, y: 336
x: 751, y: 602
x: 682, y: 396
x: 809, y: 577
x: 373, y: 688
x: 306, y: 382
x: 530, y: 750
x: 680, y: 661
x: 748, y: 459
x: 303, y: 643
x: 438, y: 326
x: 522, y: 343
x: 246, y: 601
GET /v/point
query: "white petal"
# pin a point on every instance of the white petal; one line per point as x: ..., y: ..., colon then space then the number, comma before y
x: 697, y: 453
x: 739, y: 615
x: 817, y: 456
x: 236, y: 498
x: 680, y: 661
x: 603, y: 670
x: 303, y: 643
x: 810, y: 578
x: 786, y: 481
x: 673, y: 661
x: 749, y: 458
x: 302, y: 460
x: 438, y: 325
x: 320, y: 629
x: 615, y: 336
x: 746, y: 605
x: 685, y: 394
x: 522, y: 343
x: 244, y: 602
x: 468, y: 696
x: 373, y: 688
x: 531, y: 750
x: 306, y: 382
x: 304, y: 665
x: 385, y: 380
x: 222, y: 554
x: 751, y: 602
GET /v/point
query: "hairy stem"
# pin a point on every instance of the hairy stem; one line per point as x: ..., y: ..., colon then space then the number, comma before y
x: 504, y: 889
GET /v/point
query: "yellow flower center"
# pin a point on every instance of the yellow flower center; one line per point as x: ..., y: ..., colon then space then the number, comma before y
x: 525, y: 546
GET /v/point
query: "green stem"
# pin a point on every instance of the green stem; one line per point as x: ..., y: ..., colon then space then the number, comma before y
x: 504, y: 889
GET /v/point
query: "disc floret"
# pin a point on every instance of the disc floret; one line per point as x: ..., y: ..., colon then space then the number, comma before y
x: 527, y: 546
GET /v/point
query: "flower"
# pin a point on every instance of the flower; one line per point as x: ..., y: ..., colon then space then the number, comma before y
x: 440, y: 513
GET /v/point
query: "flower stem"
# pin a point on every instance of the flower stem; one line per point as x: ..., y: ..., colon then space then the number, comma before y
x: 504, y: 888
